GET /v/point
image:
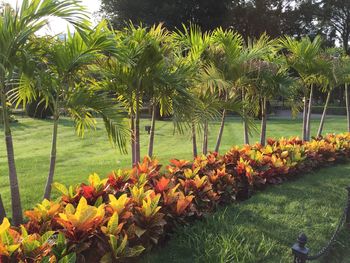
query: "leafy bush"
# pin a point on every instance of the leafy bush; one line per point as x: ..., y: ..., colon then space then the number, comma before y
x: 132, y: 210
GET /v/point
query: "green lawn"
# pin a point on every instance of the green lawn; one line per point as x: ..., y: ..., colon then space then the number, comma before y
x: 263, y: 228
x: 77, y: 157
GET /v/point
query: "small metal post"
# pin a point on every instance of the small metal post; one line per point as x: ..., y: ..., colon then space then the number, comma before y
x: 2, y: 211
x: 148, y: 129
x: 299, y: 250
x: 347, y: 219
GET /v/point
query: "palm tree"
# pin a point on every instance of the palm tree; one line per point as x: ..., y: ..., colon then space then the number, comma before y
x: 16, y: 27
x: 63, y: 83
x: 269, y: 77
x: 228, y: 56
x: 332, y: 77
x: 233, y: 60
x: 345, y: 79
x: 149, y: 70
x: 304, y: 58
x: 192, y: 45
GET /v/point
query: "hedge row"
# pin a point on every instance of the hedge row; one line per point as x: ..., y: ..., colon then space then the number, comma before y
x: 132, y: 210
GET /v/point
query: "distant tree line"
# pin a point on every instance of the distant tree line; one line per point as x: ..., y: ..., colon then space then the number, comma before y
x: 251, y: 18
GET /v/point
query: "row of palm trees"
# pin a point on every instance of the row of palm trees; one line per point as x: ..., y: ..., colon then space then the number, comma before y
x: 193, y: 76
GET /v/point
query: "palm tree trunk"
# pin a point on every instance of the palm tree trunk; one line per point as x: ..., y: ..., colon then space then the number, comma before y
x: 320, y: 128
x: 263, y: 122
x: 132, y: 134
x: 49, y: 182
x: 221, y: 131
x: 245, y: 126
x: 15, y: 195
x: 205, y: 138
x: 308, y: 121
x: 347, y: 105
x: 194, y: 141
x: 2, y: 210
x: 304, y: 119
x: 153, y: 126
x: 137, y: 129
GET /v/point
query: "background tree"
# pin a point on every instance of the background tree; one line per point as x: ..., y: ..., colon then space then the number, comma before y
x: 206, y: 13
x: 335, y: 14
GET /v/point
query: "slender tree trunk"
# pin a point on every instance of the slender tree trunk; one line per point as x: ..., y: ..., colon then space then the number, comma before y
x: 320, y: 128
x: 15, y: 195
x: 132, y: 134
x: 153, y: 126
x: 263, y: 122
x: 49, y: 181
x: 194, y: 141
x: 221, y: 131
x: 2, y: 210
x: 205, y: 138
x: 304, y: 119
x: 137, y: 129
x: 308, y: 122
x: 245, y: 126
x: 347, y: 105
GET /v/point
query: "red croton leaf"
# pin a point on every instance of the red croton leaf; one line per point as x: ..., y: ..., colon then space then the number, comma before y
x: 87, y: 191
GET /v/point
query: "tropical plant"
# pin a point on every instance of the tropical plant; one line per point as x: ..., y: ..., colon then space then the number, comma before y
x: 333, y: 77
x: 268, y: 76
x: 193, y: 45
x: 63, y: 81
x: 16, y: 27
x: 304, y: 58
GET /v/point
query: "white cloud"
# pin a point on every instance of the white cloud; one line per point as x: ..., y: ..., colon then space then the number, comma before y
x: 57, y: 25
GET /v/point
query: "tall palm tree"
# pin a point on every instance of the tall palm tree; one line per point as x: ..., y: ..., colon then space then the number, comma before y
x: 269, y: 77
x: 63, y: 83
x: 16, y: 27
x: 233, y: 59
x: 149, y: 72
x: 304, y: 58
x: 192, y: 45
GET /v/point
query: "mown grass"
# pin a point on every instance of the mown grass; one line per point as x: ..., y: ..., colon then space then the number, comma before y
x: 263, y: 228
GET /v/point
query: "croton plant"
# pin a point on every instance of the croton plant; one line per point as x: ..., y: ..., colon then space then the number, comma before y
x: 132, y: 210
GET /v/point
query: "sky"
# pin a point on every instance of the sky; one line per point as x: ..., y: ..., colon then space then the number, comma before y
x: 56, y: 25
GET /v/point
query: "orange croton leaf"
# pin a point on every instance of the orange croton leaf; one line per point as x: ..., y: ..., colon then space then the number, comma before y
x: 84, y: 218
x: 162, y: 185
x: 179, y: 163
x: 182, y: 203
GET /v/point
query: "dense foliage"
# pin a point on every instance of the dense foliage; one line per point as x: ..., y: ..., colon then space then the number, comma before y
x: 251, y: 18
x: 132, y: 210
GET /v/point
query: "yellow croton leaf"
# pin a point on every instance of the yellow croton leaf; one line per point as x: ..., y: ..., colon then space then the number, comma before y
x: 189, y: 173
x: 82, y: 214
x: 277, y: 162
x: 96, y: 181
x: 138, y: 193
x: 284, y: 154
x: 150, y: 206
x: 268, y: 149
x: 118, y: 205
x: 199, y: 182
x: 4, y: 226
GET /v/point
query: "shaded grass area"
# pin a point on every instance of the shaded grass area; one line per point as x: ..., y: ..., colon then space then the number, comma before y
x: 263, y: 228
x: 77, y: 158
